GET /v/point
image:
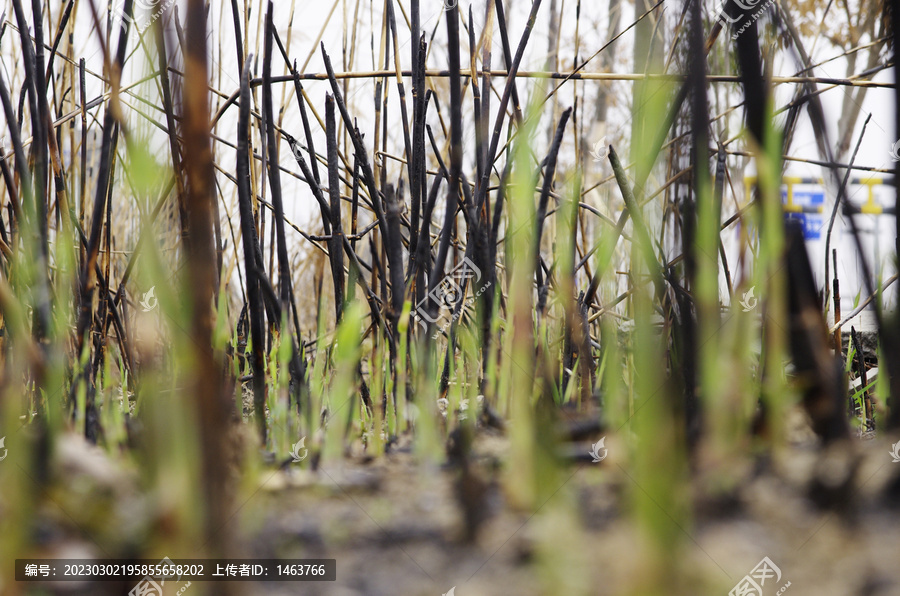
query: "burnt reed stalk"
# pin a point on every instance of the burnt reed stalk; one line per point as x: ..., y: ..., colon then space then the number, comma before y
x: 285, y: 292
x: 480, y: 219
x: 476, y: 101
x: 21, y: 162
x: 9, y: 181
x: 437, y: 272
x: 358, y: 145
x: 211, y: 403
x: 251, y: 244
x: 415, y: 49
x: 421, y: 263
x: 401, y: 89
x: 508, y: 58
x: 546, y: 187
x: 354, y: 204
x: 335, y: 243
x: 417, y: 184
x: 418, y: 176
x: 818, y: 371
x: 692, y: 307
x: 643, y: 167
x: 482, y: 183
x: 313, y: 162
x: 866, y: 409
x: 362, y: 156
x: 34, y: 86
x: 331, y: 210
x: 60, y: 30
x: 171, y: 125
x: 504, y: 99
x: 54, y: 138
x: 314, y: 185
x: 890, y: 341
x: 87, y: 279
x: 40, y: 120
x: 83, y: 156
x: 356, y: 269
x: 92, y: 414
x: 394, y: 203
x: 721, y: 162
x: 841, y: 191
x: 284, y: 276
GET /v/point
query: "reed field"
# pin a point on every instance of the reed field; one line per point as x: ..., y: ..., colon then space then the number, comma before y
x: 465, y: 297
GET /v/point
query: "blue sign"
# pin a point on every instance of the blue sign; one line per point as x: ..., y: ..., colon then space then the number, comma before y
x: 812, y: 224
x: 810, y: 203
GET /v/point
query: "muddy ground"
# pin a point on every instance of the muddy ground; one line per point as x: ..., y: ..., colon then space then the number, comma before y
x: 827, y: 519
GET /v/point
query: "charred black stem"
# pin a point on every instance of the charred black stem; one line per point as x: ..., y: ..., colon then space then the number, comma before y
x: 437, y: 272
x: 335, y: 244
x: 549, y: 172
x: 104, y: 181
x: 250, y: 242
x: 507, y: 91
x: 35, y: 86
x: 174, y: 147
x: 297, y: 366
